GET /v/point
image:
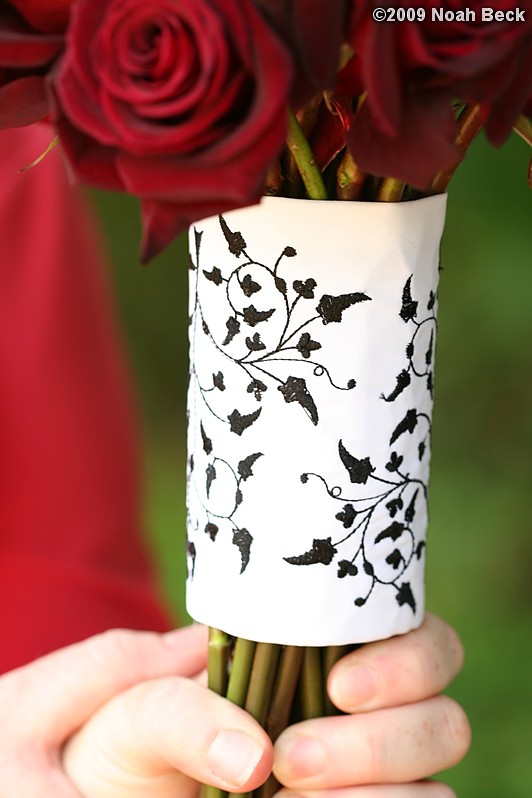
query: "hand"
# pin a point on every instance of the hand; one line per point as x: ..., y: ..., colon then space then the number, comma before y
x: 398, y: 732
x: 43, y: 704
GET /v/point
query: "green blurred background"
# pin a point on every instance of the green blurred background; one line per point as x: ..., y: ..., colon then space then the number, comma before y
x: 480, y: 542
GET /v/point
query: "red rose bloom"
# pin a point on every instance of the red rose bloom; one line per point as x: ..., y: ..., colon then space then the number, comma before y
x: 26, y: 55
x: 412, y: 71
x: 180, y: 103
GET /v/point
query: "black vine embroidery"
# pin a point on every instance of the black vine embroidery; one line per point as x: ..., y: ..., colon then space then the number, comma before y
x: 248, y: 324
x: 419, y: 351
x: 359, y: 550
x: 217, y: 521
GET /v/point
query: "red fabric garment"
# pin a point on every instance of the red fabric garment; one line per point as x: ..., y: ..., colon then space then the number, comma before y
x: 72, y: 561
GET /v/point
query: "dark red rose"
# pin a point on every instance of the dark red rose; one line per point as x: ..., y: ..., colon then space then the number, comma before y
x: 412, y: 72
x: 313, y: 31
x: 180, y: 103
x: 25, y: 57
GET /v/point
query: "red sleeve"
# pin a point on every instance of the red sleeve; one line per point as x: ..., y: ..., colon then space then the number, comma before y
x: 71, y: 557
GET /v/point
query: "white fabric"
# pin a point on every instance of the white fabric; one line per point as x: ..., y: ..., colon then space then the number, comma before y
x: 271, y: 399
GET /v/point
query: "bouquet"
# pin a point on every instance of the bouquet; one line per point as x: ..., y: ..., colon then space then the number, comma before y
x: 202, y: 107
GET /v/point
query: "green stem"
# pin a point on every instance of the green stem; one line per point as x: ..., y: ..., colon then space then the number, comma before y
x: 241, y: 670
x: 218, y: 657
x: 331, y: 655
x: 350, y: 178
x: 469, y: 124
x: 304, y: 158
x: 260, y: 688
x: 390, y: 190
x: 261, y: 681
x: 312, y: 684
x: 284, y: 690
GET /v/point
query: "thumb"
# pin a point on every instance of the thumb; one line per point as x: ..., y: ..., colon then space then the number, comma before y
x: 53, y: 696
x: 146, y: 740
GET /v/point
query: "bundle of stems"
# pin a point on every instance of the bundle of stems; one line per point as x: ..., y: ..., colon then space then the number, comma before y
x: 278, y: 684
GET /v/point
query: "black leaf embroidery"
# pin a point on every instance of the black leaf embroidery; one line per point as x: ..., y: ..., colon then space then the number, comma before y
x: 358, y: 470
x: 410, y: 511
x: 211, y: 476
x: 346, y: 568
x: 280, y: 284
x: 408, y: 424
x: 240, y: 422
x: 305, y: 289
x: 191, y: 551
x: 215, y: 276
x: 255, y: 344
x: 347, y: 515
x: 252, y: 316
x: 393, y: 532
x: 218, y: 381
x: 235, y: 241
x: 422, y: 448
x: 394, y: 506
x: 432, y: 301
x: 306, y: 345
x: 331, y: 308
x: 198, y: 235
x: 322, y: 551
x: 405, y: 596
x: 368, y: 568
x: 419, y: 548
x: 245, y: 465
x: 430, y: 351
x: 394, y: 463
x: 238, y: 497
x: 191, y: 463
x: 233, y: 328
x: 249, y: 286
x: 257, y: 388
x: 207, y: 443
x: 211, y: 530
x: 394, y: 559
x: 243, y: 540
x: 409, y: 307
x: 403, y: 381
x: 295, y: 390
x: 289, y: 252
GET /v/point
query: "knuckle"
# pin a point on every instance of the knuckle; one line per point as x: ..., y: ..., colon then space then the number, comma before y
x: 111, y: 645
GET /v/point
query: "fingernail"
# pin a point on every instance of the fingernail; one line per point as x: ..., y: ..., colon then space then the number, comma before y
x: 233, y: 756
x: 301, y: 757
x: 353, y: 686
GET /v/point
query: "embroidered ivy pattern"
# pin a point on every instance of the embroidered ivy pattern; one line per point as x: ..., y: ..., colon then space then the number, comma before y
x: 263, y: 353
x: 381, y: 556
x: 249, y: 348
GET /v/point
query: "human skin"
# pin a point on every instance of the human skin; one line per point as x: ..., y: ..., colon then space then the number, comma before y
x: 127, y: 714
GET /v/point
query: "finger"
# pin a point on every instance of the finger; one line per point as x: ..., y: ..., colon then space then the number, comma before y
x: 146, y: 734
x: 56, y: 694
x: 421, y: 789
x: 33, y: 775
x: 383, y: 747
x: 402, y: 670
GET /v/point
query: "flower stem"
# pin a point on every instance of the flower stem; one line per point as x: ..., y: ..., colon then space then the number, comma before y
x: 304, y: 158
x: 240, y: 672
x: 312, y: 684
x: 349, y: 178
x: 218, y: 657
x: 469, y: 124
x: 284, y: 690
x: 331, y: 655
x: 261, y: 680
x: 390, y: 190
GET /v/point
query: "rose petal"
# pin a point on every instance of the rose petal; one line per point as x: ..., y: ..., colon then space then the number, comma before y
x: 50, y: 16
x: 23, y: 102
